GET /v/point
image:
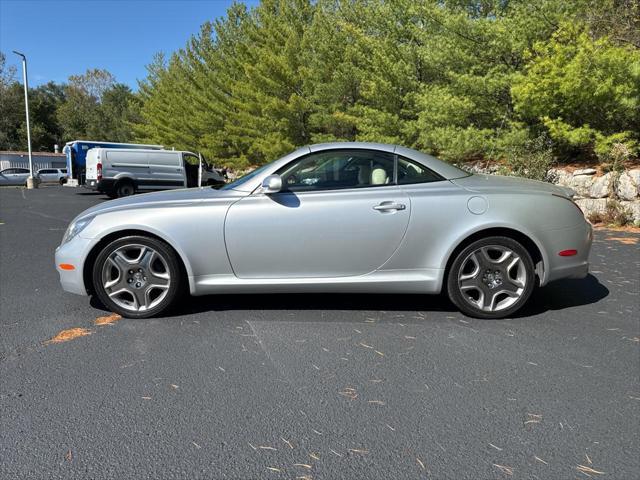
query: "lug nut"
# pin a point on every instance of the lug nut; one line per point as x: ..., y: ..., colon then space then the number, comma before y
x: 130, y: 280
x: 138, y: 284
x: 130, y: 272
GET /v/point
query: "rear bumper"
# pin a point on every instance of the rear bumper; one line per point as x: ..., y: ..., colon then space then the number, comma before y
x: 99, y: 185
x: 577, y: 238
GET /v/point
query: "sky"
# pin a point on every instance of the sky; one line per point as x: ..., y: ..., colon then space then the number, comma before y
x: 67, y: 37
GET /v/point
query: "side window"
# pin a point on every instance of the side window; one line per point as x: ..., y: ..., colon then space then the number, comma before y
x: 338, y: 169
x: 47, y: 170
x: 413, y: 172
x: 191, y: 159
x: 21, y: 170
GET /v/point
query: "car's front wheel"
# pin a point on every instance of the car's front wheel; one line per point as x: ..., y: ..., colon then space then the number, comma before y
x: 137, y: 276
x: 491, y: 278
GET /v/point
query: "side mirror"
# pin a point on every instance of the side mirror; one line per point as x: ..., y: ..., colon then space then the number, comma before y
x: 272, y: 184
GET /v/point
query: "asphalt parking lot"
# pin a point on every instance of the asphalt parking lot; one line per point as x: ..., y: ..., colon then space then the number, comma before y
x: 313, y: 386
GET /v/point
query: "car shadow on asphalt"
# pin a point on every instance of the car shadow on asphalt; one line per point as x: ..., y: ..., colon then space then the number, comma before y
x: 559, y: 295
x: 93, y: 194
x: 564, y: 294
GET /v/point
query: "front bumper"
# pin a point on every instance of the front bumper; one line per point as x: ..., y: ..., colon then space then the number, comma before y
x: 73, y: 253
x: 555, y: 241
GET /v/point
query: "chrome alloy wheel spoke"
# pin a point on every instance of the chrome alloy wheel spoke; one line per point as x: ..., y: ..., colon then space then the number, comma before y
x: 136, y: 277
x: 492, y: 278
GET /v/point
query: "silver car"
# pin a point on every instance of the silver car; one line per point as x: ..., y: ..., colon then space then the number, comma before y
x: 14, y: 176
x: 52, y: 175
x: 339, y: 217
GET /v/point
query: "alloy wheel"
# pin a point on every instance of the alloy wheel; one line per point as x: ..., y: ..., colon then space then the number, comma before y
x: 492, y: 278
x: 136, y: 277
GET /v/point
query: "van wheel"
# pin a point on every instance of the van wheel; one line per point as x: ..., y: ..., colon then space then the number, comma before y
x: 125, y: 188
x: 62, y: 180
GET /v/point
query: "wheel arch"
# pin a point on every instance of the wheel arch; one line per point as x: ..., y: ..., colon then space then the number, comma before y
x: 532, y: 246
x: 95, y: 251
x: 124, y: 179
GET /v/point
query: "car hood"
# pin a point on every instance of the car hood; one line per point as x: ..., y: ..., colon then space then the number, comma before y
x: 502, y: 184
x: 155, y: 199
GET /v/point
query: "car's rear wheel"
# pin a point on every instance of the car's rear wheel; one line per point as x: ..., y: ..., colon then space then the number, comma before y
x: 124, y: 188
x: 491, y: 278
x: 137, y: 276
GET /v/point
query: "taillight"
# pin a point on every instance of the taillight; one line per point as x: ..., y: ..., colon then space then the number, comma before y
x: 99, y: 171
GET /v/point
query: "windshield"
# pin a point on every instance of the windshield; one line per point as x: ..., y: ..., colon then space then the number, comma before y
x: 236, y: 183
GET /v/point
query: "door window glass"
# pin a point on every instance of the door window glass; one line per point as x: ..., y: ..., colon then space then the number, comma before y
x: 190, y: 158
x: 338, y: 169
x: 412, y: 172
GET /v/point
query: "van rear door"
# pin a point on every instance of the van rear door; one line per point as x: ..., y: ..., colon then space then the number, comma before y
x: 166, y: 170
x: 92, y: 163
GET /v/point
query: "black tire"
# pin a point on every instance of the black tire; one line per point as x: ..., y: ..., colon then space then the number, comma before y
x: 115, y: 302
x: 125, y: 188
x: 112, y: 194
x: 510, y: 287
x: 62, y: 181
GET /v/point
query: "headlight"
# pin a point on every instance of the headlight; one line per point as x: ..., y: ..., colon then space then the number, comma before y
x: 75, y: 228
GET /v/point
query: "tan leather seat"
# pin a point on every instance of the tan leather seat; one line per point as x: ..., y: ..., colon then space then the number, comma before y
x: 379, y: 176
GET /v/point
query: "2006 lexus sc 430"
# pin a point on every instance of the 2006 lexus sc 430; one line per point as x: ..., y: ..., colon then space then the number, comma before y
x: 338, y: 217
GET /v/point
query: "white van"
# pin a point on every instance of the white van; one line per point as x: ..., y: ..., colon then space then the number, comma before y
x: 119, y: 172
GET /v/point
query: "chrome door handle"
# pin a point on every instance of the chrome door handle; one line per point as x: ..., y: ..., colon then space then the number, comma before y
x: 387, y: 206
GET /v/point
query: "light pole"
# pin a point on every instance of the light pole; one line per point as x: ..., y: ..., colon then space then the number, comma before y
x: 31, y: 183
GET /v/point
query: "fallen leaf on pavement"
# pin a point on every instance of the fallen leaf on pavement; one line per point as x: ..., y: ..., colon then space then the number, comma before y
x: 69, y: 334
x: 504, y: 469
x: 588, y: 470
x: 108, y: 320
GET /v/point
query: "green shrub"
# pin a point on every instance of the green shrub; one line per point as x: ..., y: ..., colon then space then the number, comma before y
x: 531, y: 159
x: 456, y: 144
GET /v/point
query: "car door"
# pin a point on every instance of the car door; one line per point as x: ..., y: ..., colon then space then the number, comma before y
x: 5, y: 178
x: 339, y: 214
x: 166, y: 170
x: 129, y: 164
x: 48, y: 175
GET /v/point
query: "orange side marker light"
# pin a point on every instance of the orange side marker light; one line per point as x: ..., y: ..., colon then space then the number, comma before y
x: 66, y: 266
